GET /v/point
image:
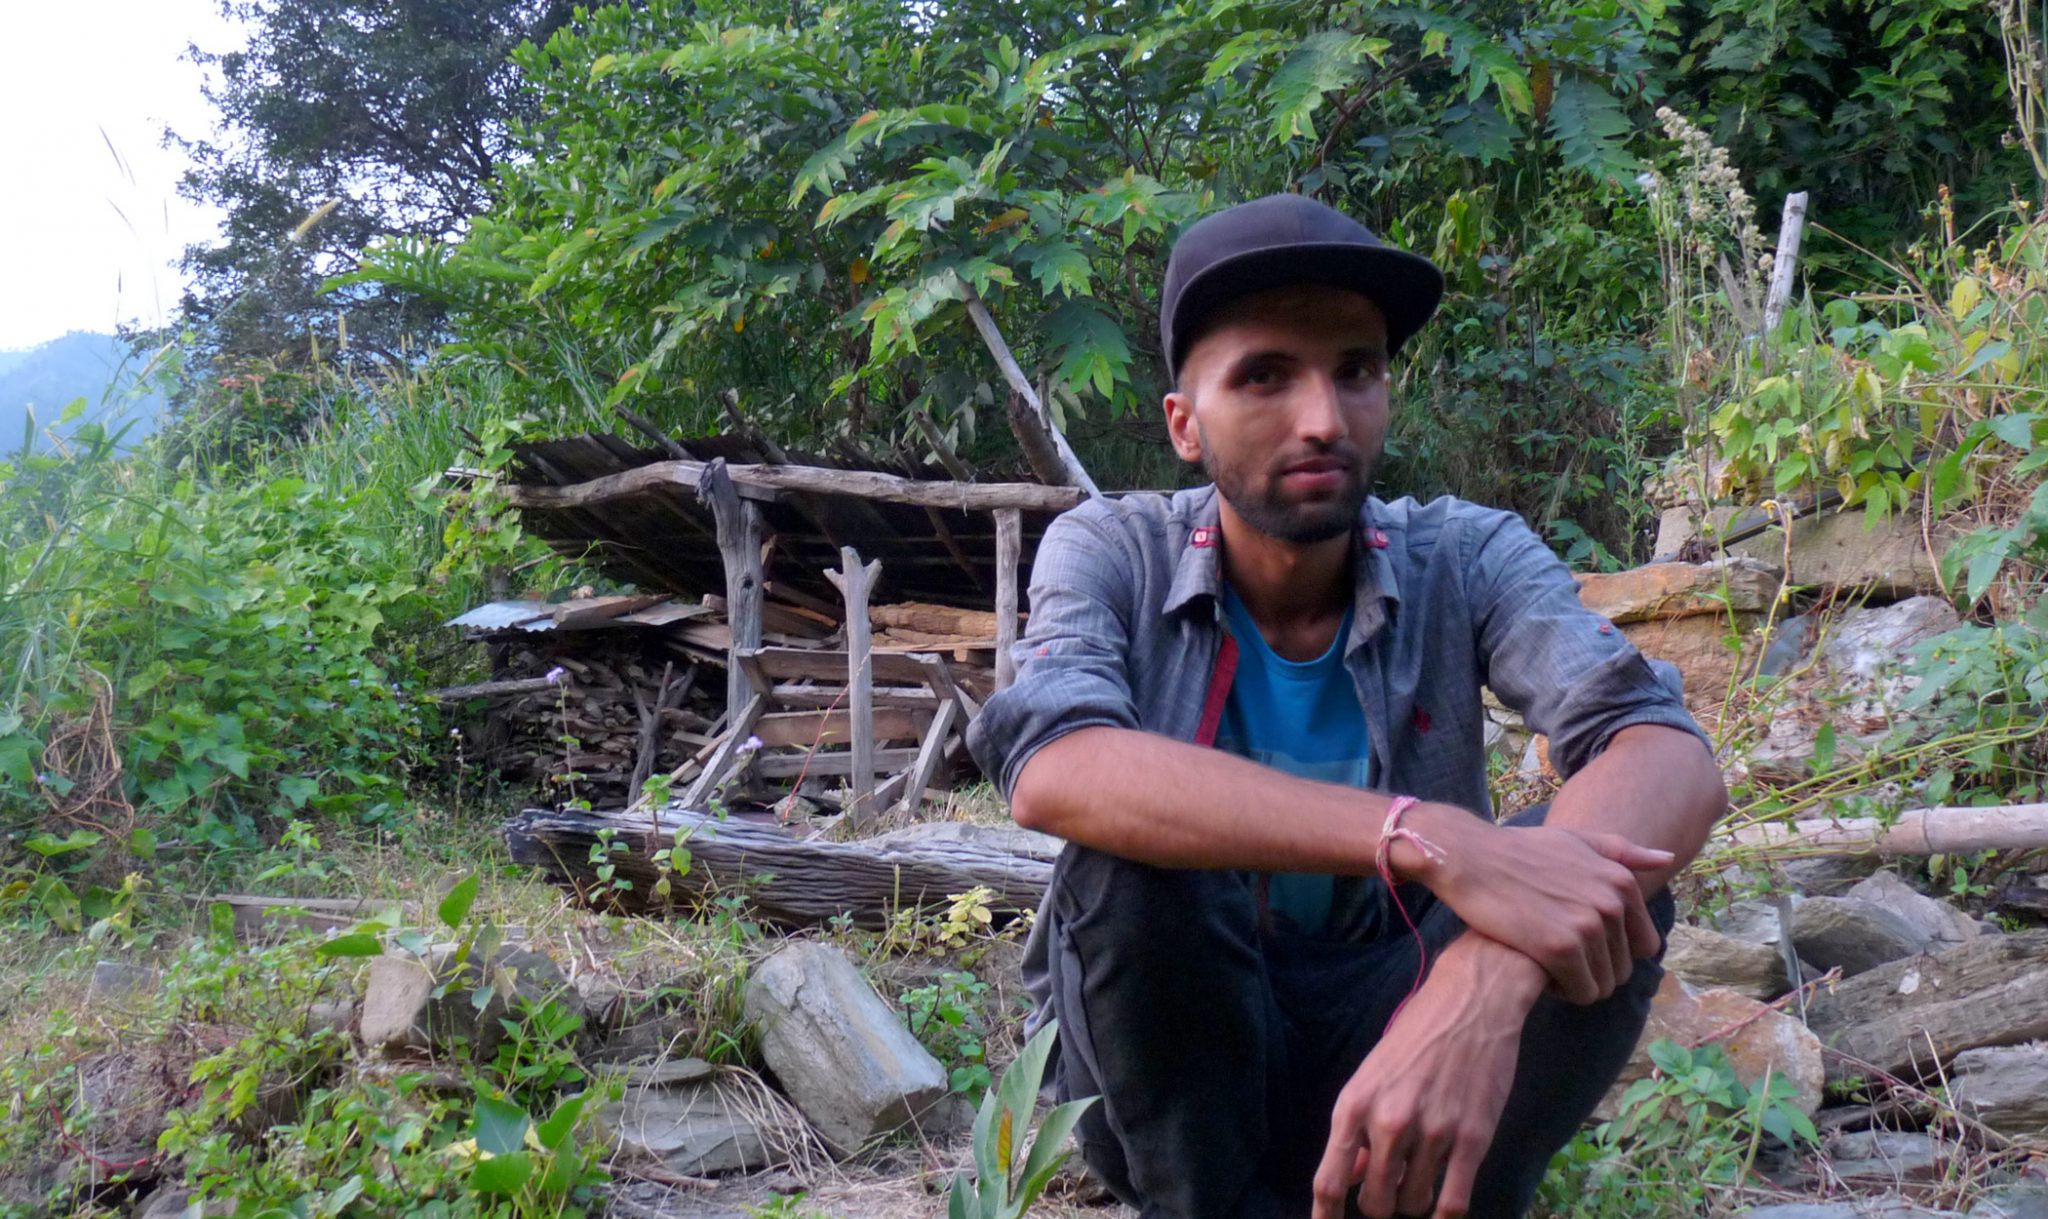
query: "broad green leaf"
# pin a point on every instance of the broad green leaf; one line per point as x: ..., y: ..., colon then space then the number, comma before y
x: 501, y: 1175
x: 455, y: 906
x: 355, y: 944
x: 559, y: 1123
x: 1590, y: 129
x: 1321, y: 63
x: 500, y: 1126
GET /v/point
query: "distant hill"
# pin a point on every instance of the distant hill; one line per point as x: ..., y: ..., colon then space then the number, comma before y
x: 95, y: 367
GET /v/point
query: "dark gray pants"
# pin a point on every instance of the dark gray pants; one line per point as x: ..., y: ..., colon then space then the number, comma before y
x: 1218, y: 1047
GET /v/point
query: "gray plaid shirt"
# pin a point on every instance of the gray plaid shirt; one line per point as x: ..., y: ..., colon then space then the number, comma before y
x: 1127, y: 628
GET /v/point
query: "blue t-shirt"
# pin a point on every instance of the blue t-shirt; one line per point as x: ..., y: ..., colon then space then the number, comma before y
x: 1302, y: 717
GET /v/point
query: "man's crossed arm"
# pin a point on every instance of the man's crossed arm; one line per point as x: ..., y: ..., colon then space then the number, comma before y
x: 1559, y: 906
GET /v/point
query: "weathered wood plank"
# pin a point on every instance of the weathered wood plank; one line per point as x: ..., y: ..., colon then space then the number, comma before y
x: 864, y: 484
x: 929, y: 755
x: 853, y: 580
x: 739, y: 547
x: 808, y: 728
x: 829, y: 664
x: 1009, y: 549
x: 805, y: 882
x: 790, y: 765
x: 727, y: 750
x: 1920, y: 832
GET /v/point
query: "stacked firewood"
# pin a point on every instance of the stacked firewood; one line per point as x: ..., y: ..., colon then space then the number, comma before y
x: 612, y: 715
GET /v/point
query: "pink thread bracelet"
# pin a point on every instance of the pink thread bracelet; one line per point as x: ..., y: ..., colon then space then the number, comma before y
x: 1390, y: 831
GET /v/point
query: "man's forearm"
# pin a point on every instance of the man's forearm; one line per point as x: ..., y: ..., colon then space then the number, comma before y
x: 1165, y: 802
x: 1653, y: 785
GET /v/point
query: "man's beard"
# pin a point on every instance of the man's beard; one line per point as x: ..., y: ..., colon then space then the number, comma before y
x: 1273, y: 514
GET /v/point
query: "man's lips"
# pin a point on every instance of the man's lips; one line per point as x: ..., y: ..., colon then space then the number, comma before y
x: 1317, y: 465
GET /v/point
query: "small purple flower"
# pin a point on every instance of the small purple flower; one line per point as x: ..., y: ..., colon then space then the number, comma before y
x: 556, y: 674
x: 749, y: 745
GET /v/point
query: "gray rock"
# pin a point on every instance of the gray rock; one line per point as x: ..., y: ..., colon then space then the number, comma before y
x: 177, y: 1202
x: 330, y: 1015
x: 1869, y: 643
x: 114, y: 981
x: 2004, y: 1087
x: 840, y: 1052
x: 395, y: 1003
x: 1827, y: 875
x: 1854, y: 935
x: 1708, y: 958
x: 668, y: 1071
x: 517, y: 977
x: 1751, y: 921
x: 1936, y: 922
x: 2029, y: 1201
x: 1885, y: 1156
x: 694, y: 1129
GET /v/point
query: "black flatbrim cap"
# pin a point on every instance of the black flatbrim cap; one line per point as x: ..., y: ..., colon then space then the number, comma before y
x: 1280, y: 241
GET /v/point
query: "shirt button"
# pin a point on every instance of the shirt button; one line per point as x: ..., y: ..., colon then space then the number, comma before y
x: 1607, y: 628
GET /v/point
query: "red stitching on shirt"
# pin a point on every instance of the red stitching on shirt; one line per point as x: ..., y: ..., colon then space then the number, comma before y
x: 1220, y: 678
x: 1421, y: 720
x: 1202, y: 537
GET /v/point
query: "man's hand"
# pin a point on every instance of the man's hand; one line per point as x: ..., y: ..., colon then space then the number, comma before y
x: 1428, y: 1098
x: 1566, y: 899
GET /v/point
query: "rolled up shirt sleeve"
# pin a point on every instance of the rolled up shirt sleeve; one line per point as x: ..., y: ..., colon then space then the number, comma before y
x: 1569, y: 672
x: 1073, y: 661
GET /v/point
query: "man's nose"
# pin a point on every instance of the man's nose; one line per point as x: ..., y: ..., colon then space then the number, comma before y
x: 1318, y: 411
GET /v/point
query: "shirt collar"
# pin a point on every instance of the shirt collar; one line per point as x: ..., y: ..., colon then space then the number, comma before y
x: 1199, y: 570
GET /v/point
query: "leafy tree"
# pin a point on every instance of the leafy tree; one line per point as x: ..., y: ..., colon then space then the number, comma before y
x: 389, y: 114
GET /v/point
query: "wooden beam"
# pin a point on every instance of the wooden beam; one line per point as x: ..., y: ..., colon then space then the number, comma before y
x: 790, y: 765
x: 1009, y: 553
x: 862, y: 484
x: 835, y: 727
x: 739, y: 546
x: 830, y: 664
x: 492, y: 689
x: 728, y: 749
x: 985, y: 323
x: 912, y: 698
x: 1785, y: 263
x: 929, y: 754
x: 947, y: 457
x: 854, y: 580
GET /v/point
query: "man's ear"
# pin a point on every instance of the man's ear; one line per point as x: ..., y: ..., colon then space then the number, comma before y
x: 1180, y: 427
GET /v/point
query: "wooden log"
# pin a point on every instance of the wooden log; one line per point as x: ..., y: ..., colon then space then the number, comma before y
x: 915, y: 698
x: 265, y: 919
x: 935, y: 619
x: 1910, y: 1016
x: 854, y: 580
x: 947, y: 457
x: 787, y: 882
x: 739, y: 548
x: 1918, y: 832
x: 772, y: 480
x: 1009, y: 549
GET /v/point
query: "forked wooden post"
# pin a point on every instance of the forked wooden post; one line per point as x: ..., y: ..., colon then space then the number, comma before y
x: 739, y: 547
x: 1009, y: 551
x: 854, y: 581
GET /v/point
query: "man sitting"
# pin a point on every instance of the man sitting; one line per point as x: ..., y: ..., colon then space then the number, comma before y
x: 1253, y: 711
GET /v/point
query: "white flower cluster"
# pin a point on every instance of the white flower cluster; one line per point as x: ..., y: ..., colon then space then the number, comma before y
x: 1710, y: 192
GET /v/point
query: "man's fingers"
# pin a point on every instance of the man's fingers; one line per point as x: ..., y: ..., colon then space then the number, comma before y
x: 1390, y: 1148
x: 1643, y: 937
x: 1337, y: 1173
x: 1628, y: 854
x: 1455, y: 1198
x: 1418, y: 1180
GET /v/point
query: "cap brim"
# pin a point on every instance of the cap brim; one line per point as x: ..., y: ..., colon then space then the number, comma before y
x: 1406, y: 287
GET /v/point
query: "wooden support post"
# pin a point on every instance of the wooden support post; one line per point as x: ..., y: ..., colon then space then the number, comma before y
x: 854, y: 582
x: 739, y: 546
x: 1009, y: 551
x: 1786, y: 261
x: 731, y: 747
x: 985, y: 323
x: 929, y: 755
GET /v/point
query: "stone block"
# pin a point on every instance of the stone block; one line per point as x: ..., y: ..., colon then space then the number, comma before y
x: 1852, y: 935
x: 395, y: 1003
x: 1938, y: 924
x: 692, y: 1129
x: 2004, y: 1087
x: 1708, y: 959
x: 1756, y: 1039
x: 1679, y: 590
x: 1834, y: 550
x: 1910, y: 1016
x: 839, y: 1051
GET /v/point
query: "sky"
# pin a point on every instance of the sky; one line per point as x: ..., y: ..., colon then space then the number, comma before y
x: 89, y: 240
